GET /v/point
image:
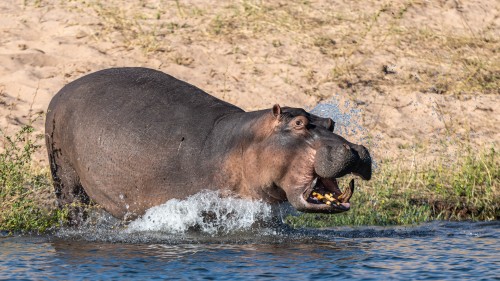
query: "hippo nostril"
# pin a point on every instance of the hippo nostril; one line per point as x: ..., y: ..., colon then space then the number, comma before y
x: 330, y: 125
x: 362, y: 151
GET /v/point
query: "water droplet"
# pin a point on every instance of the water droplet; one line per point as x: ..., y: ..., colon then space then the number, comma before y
x: 207, y: 211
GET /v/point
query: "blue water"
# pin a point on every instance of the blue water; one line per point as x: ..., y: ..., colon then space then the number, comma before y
x: 433, y: 251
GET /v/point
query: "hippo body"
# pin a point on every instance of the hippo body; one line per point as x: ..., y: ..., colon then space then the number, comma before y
x: 133, y: 138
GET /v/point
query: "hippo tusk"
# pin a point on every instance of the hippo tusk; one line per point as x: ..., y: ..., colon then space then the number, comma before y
x: 346, y: 196
x: 313, y: 184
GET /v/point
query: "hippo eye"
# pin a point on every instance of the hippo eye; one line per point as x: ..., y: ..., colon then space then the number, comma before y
x: 299, y: 123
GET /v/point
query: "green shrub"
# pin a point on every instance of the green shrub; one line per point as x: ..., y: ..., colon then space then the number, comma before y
x: 26, y: 195
x: 467, y: 189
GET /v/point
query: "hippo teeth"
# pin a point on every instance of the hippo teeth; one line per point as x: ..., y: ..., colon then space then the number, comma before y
x: 347, y: 194
x: 326, y: 191
x: 320, y: 191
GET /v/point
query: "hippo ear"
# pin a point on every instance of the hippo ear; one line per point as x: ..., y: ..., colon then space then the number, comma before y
x: 276, y: 110
x: 330, y: 125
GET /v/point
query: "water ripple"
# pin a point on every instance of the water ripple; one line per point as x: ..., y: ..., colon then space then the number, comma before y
x: 437, y: 250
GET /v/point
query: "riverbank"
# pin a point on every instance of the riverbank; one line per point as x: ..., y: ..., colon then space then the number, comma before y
x: 467, y: 188
x: 417, y: 82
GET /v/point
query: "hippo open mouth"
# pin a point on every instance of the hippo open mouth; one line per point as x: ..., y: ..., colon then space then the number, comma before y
x: 325, y: 193
x: 331, y: 162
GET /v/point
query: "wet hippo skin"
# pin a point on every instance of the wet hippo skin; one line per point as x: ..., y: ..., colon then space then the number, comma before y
x: 133, y: 138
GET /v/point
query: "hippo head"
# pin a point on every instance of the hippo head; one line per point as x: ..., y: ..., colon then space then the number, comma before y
x: 308, y: 158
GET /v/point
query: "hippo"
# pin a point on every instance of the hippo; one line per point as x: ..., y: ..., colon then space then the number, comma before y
x: 133, y: 138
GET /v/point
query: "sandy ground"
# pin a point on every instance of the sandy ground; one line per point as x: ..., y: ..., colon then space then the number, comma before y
x: 421, y: 75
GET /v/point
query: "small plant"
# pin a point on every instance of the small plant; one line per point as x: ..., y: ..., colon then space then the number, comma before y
x: 134, y: 30
x: 468, y: 189
x: 26, y: 197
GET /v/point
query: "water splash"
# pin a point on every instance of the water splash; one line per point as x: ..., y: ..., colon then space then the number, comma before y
x: 207, y: 212
x: 206, y: 216
x: 346, y: 122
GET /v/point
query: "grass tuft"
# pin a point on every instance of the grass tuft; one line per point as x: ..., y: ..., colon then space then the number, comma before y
x: 468, y: 189
x: 26, y: 194
x: 118, y: 25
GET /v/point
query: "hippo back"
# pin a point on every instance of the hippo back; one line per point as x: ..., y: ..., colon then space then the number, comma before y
x: 126, y: 131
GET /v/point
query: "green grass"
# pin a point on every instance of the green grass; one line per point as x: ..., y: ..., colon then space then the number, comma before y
x: 26, y: 192
x: 398, y: 194
x: 468, y: 189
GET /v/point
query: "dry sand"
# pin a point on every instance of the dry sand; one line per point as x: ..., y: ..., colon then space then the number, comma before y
x: 423, y: 75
